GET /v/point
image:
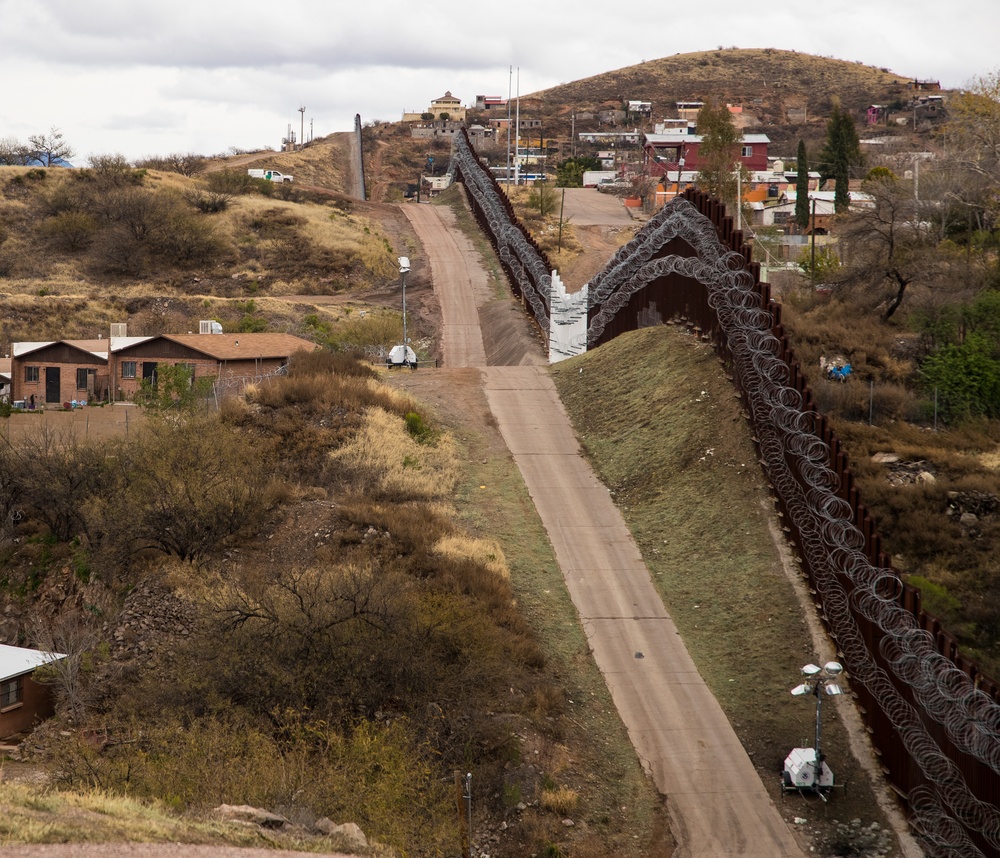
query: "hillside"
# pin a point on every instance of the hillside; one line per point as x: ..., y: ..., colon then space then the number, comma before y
x: 771, y: 86
x: 82, y: 249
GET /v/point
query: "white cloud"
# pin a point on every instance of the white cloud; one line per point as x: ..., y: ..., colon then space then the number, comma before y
x: 157, y: 76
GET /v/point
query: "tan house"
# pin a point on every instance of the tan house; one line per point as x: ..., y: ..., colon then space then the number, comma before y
x: 23, y: 702
x: 446, y: 104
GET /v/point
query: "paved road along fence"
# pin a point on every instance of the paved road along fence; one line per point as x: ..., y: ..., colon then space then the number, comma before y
x: 933, y: 715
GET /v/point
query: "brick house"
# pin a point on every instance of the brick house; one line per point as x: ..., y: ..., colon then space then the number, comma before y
x: 58, y: 372
x: 228, y: 357
x: 113, y: 369
x: 23, y: 701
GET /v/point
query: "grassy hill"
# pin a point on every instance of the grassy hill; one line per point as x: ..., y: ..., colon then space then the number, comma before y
x: 81, y: 249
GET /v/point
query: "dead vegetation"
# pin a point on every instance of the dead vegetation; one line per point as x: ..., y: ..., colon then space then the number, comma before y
x: 340, y: 556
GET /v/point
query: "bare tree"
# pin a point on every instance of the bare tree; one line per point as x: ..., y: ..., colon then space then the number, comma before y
x: 185, y: 163
x: 75, y: 636
x: 889, y: 245
x: 14, y: 153
x: 50, y: 148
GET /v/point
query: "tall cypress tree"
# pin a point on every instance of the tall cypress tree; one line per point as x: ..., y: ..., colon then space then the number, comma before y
x: 841, y: 152
x: 802, y: 187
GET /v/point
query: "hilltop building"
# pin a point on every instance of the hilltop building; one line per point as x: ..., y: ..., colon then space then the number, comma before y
x: 446, y: 106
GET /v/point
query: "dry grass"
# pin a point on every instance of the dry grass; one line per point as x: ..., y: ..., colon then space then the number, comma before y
x: 561, y: 800
x: 33, y: 814
x: 484, y: 552
x: 386, y: 461
x: 267, y: 246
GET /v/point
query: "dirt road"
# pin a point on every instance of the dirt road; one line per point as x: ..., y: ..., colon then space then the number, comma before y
x: 587, y: 207
x: 717, y: 804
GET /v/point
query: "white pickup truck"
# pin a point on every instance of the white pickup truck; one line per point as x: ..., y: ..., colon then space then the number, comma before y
x: 270, y: 175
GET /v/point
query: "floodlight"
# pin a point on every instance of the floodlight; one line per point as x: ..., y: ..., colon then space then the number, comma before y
x: 834, y: 668
x: 833, y: 690
x: 404, y: 264
x: 799, y: 690
x: 810, y: 670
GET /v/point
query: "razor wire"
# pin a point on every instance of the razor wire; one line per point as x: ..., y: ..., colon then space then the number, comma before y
x: 522, y: 262
x: 228, y: 385
x: 797, y: 463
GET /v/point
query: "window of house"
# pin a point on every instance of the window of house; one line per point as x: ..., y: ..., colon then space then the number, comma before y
x: 11, y: 692
x: 31, y: 373
x: 81, y: 379
x: 747, y: 152
x: 128, y: 369
x: 782, y: 217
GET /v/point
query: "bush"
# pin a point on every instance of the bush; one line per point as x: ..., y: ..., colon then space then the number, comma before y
x: 194, y: 486
x: 210, y: 202
x: 70, y: 230
x: 237, y: 183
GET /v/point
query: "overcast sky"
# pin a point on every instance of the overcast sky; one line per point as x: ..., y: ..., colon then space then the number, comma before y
x: 148, y: 77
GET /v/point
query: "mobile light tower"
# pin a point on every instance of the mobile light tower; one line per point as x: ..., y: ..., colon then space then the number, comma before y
x: 805, y: 768
x: 402, y: 355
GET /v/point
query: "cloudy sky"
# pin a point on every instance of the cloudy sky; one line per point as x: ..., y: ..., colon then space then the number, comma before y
x: 145, y: 77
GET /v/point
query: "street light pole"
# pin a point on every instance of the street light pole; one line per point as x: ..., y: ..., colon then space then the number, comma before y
x: 402, y: 278
x: 805, y: 768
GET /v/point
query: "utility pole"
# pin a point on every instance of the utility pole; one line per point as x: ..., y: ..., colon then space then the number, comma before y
x: 302, y: 126
x: 812, y: 262
x: 510, y: 79
x: 517, y: 133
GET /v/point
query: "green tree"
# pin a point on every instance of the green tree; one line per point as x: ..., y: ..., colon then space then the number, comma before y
x: 802, y: 187
x: 822, y: 266
x: 570, y: 172
x: 173, y: 389
x: 965, y: 379
x: 841, y: 155
x: 718, y: 154
x: 542, y: 197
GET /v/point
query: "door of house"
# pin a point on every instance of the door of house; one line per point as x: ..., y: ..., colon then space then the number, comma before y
x: 149, y: 372
x: 52, y: 386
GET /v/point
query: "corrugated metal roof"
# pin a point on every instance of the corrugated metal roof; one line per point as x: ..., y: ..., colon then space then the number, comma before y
x: 18, y: 660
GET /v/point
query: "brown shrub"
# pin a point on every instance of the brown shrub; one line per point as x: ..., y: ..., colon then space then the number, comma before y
x: 70, y: 230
